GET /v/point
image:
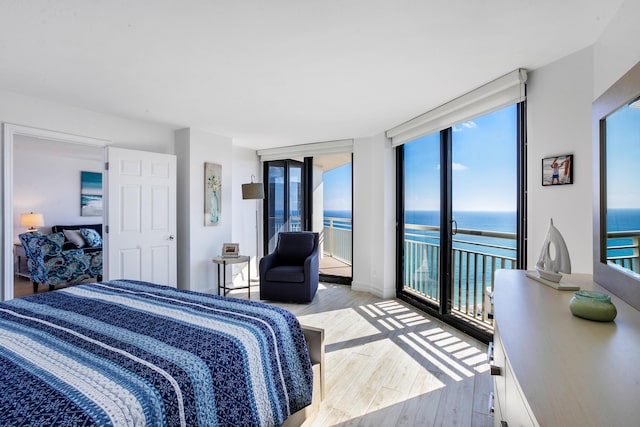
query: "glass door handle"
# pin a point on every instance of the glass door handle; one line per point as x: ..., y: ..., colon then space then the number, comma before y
x: 454, y: 227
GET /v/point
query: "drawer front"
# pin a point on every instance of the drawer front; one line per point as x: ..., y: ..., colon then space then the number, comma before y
x: 497, y: 368
x: 517, y: 411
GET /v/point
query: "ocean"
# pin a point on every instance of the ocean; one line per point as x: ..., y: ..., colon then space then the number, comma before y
x: 500, y: 222
x: 622, y: 220
x: 422, y: 273
x: 617, y: 219
x: 485, y: 221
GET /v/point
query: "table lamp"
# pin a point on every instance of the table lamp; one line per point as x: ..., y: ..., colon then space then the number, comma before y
x: 31, y: 221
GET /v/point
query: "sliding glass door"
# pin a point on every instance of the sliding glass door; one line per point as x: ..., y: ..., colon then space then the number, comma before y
x: 460, y: 204
x: 421, y: 239
x: 484, y: 201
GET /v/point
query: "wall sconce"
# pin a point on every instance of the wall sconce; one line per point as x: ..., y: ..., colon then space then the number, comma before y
x: 31, y: 220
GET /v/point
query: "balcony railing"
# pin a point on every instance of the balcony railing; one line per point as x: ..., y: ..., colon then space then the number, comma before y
x: 476, y: 256
x: 337, y: 239
x: 623, y: 248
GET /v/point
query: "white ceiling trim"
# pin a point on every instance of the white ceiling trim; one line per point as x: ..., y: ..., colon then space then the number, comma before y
x: 306, y: 150
x: 506, y: 90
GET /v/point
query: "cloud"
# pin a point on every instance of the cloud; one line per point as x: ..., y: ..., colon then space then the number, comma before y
x: 459, y: 167
x: 455, y: 166
x: 466, y: 125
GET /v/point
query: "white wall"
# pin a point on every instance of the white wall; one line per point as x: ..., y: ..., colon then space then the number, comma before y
x: 33, y: 112
x: 318, y: 205
x: 559, y: 98
x: 374, y: 220
x: 617, y: 49
x: 126, y: 133
x: 245, y: 164
x: 559, y: 122
x: 197, y: 243
x: 46, y: 179
x: 183, y: 198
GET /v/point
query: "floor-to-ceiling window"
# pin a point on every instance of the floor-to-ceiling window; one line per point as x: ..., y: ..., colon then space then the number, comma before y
x: 311, y: 190
x: 460, y: 205
x: 284, y: 200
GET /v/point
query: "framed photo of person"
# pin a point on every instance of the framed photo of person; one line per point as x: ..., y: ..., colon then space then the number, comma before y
x: 557, y: 170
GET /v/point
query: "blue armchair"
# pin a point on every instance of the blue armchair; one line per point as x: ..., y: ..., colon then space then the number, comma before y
x: 290, y: 273
x: 51, y: 263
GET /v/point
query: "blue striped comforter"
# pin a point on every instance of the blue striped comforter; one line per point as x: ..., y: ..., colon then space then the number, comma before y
x: 132, y: 353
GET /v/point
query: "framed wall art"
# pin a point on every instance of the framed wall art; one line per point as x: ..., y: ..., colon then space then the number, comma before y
x: 212, y: 193
x: 90, y: 193
x: 557, y: 170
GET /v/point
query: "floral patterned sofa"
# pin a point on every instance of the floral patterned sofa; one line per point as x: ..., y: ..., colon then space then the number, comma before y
x: 71, y: 253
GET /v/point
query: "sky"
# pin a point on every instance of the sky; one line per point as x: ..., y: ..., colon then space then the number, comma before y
x: 623, y: 158
x: 484, y: 168
x: 337, y: 188
x: 484, y: 153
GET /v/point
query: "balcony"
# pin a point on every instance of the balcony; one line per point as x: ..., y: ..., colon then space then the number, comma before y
x: 476, y: 256
x: 337, y: 247
x: 623, y: 249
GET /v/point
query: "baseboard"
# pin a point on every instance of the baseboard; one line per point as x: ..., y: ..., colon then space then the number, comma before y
x: 367, y: 287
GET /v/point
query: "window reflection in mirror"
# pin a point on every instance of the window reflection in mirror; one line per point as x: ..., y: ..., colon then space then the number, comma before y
x: 623, y: 187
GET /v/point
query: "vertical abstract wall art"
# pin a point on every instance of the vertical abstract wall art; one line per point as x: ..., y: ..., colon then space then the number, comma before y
x: 212, y: 193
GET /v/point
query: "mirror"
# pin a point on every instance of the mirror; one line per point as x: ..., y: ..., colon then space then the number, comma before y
x: 616, y: 119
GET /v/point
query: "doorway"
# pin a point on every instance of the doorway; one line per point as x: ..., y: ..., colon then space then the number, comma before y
x: 285, y: 208
x: 461, y: 216
x: 337, y: 218
x: 13, y: 136
x: 313, y: 194
x: 153, y: 196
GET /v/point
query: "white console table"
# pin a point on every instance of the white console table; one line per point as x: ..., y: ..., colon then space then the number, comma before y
x: 554, y: 369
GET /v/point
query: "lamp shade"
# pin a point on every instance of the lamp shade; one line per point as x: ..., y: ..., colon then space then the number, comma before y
x: 255, y: 190
x: 31, y: 220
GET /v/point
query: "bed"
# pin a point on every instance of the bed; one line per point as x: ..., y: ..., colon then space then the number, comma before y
x: 134, y: 353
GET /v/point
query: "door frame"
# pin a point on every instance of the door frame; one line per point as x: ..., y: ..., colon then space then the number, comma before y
x: 10, y: 131
x: 305, y: 219
x: 443, y: 309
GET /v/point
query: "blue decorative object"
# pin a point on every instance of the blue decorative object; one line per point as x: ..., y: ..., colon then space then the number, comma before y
x: 593, y: 306
x: 92, y: 237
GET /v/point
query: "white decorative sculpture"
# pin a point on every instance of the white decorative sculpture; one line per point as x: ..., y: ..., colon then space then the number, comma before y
x: 549, y: 268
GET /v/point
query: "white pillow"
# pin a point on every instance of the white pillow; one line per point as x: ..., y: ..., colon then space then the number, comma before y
x: 74, y: 237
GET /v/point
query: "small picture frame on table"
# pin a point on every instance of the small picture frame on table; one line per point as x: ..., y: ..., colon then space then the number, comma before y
x: 557, y: 170
x: 230, y: 250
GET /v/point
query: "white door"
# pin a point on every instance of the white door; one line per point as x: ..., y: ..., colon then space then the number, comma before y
x: 141, y: 216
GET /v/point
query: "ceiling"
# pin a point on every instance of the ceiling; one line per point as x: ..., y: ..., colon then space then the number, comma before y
x: 277, y: 73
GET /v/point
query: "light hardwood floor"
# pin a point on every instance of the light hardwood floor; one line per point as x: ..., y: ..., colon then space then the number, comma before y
x: 388, y: 364
x: 23, y: 287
